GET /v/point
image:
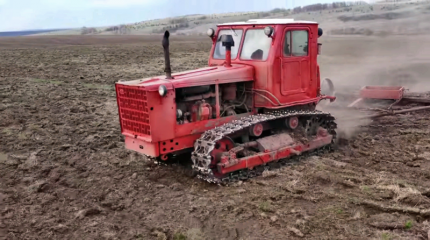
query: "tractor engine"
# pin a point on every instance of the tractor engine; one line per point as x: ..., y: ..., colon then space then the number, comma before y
x: 201, y: 111
x: 195, y: 104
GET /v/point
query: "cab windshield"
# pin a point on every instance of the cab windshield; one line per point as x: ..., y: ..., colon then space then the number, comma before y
x: 256, y: 45
x: 219, y: 52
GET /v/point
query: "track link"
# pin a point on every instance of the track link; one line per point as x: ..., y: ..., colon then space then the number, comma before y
x: 201, y: 157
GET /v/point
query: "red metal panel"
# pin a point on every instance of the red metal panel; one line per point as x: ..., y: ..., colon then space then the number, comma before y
x: 291, y: 83
x: 199, y: 77
x: 256, y: 160
x: 141, y: 146
x: 163, y: 115
x: 177, y: 144
x: 305, y: 76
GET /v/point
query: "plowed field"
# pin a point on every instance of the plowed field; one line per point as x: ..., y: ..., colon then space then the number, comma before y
x: 65, y: 174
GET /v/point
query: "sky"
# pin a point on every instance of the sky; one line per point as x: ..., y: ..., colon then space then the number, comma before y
x: 18, y: 15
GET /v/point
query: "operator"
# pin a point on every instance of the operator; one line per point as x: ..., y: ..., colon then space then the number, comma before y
x: 257, y: 55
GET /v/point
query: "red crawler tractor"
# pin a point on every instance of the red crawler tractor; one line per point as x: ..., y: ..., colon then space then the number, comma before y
x: 252, y: 108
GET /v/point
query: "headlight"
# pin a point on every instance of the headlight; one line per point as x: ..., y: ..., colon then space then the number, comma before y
x: 210, y: 32
x: 162, y: 90
x: 268, y: 31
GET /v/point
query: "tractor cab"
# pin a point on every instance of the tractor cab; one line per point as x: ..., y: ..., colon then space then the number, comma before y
x: 283, y: 53
x: 254, y: 39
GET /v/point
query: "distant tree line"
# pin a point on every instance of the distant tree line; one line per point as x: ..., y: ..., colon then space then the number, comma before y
x: 172, y: 28
x: 85, y: 30
x: 121, y: 29
x: 324, y: 6
x: 182, y: 20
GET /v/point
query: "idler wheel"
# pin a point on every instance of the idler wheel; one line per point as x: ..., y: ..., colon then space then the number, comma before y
x: 292, y: 122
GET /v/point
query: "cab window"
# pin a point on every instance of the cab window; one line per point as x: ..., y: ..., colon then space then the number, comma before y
x: 256, y: 45
x: 219, y: 52
x: 296, y: 43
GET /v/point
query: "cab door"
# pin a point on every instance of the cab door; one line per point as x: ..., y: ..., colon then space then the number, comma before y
x: 295, y: 61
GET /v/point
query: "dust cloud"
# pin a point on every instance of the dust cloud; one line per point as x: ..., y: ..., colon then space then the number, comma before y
x: 348, y: 121
x: 355, y: 62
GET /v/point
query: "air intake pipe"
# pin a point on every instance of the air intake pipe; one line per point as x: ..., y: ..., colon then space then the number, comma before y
x: 227, y: 42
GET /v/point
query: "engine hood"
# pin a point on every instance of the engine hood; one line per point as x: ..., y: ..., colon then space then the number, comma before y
x: 197, y: 77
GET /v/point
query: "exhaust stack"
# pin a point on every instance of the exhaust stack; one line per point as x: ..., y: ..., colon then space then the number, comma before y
x: 227, y: 42
x: 165, y: 44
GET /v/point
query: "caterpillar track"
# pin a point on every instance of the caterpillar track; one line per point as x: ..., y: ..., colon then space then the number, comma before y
x: 202, y: 157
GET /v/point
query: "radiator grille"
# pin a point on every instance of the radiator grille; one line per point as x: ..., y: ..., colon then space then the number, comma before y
x: 133, y: 109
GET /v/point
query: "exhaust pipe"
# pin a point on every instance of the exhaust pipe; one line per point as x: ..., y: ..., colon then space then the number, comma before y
x: 165, y: 44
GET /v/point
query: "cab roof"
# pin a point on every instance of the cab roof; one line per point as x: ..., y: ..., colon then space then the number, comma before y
x: 268, y: 21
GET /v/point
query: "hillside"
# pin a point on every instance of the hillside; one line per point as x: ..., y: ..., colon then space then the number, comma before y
x: 341, y: 18
x: 29, y: 32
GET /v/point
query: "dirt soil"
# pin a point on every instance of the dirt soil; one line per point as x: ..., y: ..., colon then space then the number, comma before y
x: 65, y: 174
